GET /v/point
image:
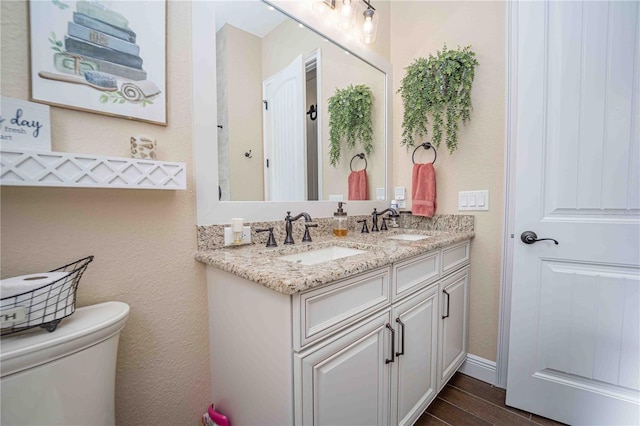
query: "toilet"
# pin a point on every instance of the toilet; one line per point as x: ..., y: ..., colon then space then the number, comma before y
x: 66, y: 377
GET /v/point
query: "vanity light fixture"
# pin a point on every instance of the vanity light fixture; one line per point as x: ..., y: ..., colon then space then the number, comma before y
x: 348, y: 13
x: 369, y: 24
x: 323, y: 6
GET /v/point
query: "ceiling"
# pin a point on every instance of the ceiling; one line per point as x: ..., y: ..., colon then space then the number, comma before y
x: 254, y: 17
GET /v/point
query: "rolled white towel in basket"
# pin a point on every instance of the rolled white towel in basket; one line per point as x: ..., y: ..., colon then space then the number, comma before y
x: 43, y: 305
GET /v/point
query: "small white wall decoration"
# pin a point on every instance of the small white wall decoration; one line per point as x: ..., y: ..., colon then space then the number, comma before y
x: 24, y: 168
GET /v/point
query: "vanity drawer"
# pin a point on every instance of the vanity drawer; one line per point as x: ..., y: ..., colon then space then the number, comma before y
x: 455, y: 256
x: 320, y: 312
x: 415, y: 273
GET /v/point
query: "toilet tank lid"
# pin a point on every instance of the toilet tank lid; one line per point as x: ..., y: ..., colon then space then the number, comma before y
x: 86, y: 327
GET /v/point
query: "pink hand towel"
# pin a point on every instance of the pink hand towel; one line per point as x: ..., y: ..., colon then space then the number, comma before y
x: 358, y: 186
x: 423, y: 190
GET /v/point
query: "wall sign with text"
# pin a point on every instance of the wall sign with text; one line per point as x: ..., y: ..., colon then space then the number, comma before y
x: 24, y: 125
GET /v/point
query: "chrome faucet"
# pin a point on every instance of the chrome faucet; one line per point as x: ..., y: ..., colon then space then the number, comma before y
x: 375, y: 214
x: 289, y: 226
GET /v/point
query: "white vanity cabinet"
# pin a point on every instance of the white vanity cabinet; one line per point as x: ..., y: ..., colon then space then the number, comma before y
x: 370, y: 349
x: 414, y: 379
x: 346, y: 382
x: 452, y: 335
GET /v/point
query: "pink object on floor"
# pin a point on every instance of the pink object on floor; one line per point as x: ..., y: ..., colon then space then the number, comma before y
x: 358, y: 185
x: 218, y: 418
x: 423, y: 190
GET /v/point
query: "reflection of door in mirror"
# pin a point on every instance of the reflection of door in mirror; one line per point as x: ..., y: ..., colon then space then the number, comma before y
x: 283, y: 115
x: 291, y: 167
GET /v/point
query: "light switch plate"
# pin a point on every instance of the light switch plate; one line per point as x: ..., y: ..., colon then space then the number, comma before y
x: 228, y: 236
x: 336, y: 197
x: 473, y: 200
x: 380, y: 194
x: 400, y: 193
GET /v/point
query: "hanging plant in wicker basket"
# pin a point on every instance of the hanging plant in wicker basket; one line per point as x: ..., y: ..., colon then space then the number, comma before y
x: 437, y: 88
x: 350, y: 120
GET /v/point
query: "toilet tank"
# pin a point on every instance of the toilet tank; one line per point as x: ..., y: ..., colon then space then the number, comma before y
x: 66, y: 377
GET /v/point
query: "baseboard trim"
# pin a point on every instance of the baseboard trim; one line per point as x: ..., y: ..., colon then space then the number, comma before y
x: 479, y: 368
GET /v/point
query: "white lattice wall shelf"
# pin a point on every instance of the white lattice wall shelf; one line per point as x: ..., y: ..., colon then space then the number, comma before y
x: 37, y: 168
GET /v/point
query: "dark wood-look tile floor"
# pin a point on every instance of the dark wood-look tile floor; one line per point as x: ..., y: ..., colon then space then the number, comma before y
x: 467, y: 401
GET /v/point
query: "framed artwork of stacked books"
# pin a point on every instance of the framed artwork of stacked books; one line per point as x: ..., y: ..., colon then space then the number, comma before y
x: 106, y: 57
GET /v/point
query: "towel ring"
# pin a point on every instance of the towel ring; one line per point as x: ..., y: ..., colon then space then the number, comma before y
x: 425, y: 145
x: 361, y: 156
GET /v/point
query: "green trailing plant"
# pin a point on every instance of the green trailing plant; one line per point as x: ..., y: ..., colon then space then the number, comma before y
x: 350, y: 120
x: 438, y: 88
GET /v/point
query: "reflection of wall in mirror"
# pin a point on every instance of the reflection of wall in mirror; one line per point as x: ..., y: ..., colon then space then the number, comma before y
x: 338, y: 70
x: 223, y: 117
x: 239, y: 57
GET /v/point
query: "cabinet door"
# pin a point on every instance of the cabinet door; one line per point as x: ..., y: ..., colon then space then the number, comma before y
x: 454, y: 296
x: 347, y: 381
x: 415, y: 378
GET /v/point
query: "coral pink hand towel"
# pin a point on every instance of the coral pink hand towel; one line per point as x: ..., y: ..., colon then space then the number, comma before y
x: 423, y: 190
x: 358, y: 186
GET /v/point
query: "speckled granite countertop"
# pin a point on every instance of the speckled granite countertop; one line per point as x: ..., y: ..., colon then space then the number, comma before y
x: 257, y: 263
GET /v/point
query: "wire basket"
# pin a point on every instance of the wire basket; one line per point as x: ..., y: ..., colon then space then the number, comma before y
x: 45, y: 306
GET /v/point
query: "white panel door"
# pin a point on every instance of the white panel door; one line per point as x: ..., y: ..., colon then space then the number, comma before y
x: 284, y: 134
x: 574, y: 341
x: 347, y: 382
x: 415, y: 379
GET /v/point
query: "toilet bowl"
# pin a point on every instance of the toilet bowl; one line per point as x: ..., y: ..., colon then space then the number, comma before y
x: 66, y: 377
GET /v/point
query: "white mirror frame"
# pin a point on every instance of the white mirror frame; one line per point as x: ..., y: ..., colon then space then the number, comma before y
x: 205, y: 132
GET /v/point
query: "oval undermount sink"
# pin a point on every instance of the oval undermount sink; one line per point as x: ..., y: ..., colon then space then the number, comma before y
x: 325, y: 254
x: 408, y: 237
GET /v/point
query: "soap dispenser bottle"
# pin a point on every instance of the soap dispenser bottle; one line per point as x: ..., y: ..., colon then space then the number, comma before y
x: 340, y: 222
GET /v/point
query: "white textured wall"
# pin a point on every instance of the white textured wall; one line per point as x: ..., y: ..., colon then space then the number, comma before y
x: 419, y: 28
x: 143, y: 240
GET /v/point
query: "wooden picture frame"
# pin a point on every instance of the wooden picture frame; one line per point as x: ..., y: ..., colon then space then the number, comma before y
x: 111, y: 60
